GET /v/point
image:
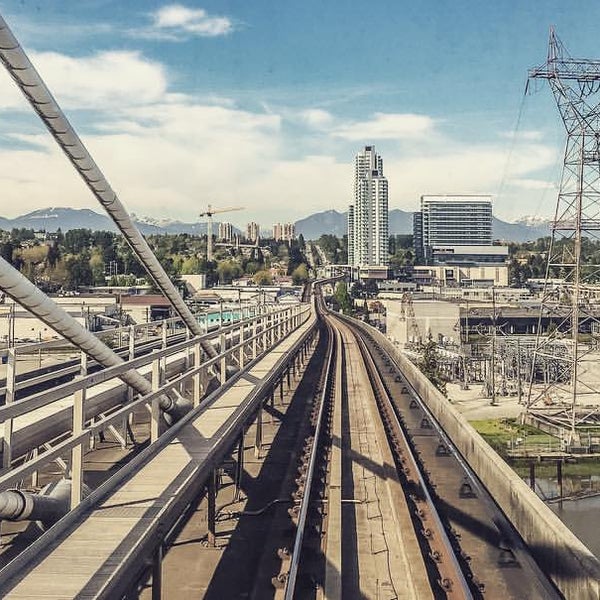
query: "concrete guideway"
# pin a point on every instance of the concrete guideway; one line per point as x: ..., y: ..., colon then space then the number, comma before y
x: 111, y: 539
x: 389, y: 560
x: 558, y: 552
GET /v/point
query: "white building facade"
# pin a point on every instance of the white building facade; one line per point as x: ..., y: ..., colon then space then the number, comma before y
x: 453, y: 234
x: 284, y: 232
x: 226, y: 232
x: 368, y: 218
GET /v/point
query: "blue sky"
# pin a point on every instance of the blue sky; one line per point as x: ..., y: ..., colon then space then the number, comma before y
x: 263, y: 104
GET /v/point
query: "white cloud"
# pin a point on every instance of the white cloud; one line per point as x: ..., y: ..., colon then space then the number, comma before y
x: 527, y: 135
x: 168, y: 155
x: 316, y: 117
x: 531, y: 184
x: 176, y: 21
x: 103, y: 80
x: 386, y: 126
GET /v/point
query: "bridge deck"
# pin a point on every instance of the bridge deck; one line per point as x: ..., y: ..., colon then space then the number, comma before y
x: 82, y: 563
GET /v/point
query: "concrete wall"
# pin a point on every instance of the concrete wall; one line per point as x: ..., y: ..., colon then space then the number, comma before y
x: 573, y: 568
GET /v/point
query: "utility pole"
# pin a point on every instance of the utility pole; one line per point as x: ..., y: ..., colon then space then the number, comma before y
x: 575, y: 84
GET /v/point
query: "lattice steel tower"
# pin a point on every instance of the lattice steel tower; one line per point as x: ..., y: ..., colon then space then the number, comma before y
x: 568, y: 326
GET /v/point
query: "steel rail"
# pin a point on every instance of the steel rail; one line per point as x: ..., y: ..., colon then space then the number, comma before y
x: 457, y: 574
x: 292, y: 578
x: 505, y: 527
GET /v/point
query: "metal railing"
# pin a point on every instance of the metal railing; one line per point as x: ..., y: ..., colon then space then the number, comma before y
x: 241, y: 342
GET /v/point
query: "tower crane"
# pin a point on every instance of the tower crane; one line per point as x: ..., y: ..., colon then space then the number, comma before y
x: 209, y: 212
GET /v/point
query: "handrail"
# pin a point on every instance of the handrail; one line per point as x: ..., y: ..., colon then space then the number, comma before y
x: 18, y: 565
x: 45, y: 398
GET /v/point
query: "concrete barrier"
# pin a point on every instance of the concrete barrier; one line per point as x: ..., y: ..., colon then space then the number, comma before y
x: 560, y: 554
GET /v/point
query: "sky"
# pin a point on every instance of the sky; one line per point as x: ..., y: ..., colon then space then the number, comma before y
x: 263, y: 104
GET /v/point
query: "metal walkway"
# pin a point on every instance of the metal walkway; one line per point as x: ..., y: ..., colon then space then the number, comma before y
x: 96, y: 556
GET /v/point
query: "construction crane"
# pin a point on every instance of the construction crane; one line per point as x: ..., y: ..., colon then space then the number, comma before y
x: 209, y: 212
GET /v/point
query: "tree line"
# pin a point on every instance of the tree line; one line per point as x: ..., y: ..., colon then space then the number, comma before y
x: 81, y: 257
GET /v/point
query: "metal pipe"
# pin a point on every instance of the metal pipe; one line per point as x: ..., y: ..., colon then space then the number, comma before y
x: 22, y: 291
x: 36, y: 92
x: 47, y: 507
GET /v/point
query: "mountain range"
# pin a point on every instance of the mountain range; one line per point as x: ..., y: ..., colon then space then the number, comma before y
x: 311, y: 227
x: 51, y: 219
x: 400, y: 222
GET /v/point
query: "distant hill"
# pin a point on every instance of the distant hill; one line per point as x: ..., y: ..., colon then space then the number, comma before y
x: 332, y: 221
x: 314, y: 226
x: 311, y: 227
x: 51, y: 219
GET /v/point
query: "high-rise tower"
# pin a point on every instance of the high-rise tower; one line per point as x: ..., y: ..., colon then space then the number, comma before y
x: 368, y: 215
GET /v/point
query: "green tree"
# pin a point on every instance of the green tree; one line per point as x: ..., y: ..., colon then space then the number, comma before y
x: 227, y: 270
x: 300, y: 275
x: 429, y: 365
x: 342, y: 297
x: 78, y: 240
x: 263, y: 278
x: 190, y: 266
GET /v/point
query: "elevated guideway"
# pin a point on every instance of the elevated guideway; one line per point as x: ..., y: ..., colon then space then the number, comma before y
x: 109, y: 536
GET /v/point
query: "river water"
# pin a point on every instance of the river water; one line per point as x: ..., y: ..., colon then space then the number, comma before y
x: 580, y: 515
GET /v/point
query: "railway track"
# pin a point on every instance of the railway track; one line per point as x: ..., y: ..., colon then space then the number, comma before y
x: 385, y: 506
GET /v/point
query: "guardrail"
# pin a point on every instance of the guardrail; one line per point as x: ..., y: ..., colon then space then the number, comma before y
x: 238, y: 343
x: 147, y: 545
x: 123, y: 339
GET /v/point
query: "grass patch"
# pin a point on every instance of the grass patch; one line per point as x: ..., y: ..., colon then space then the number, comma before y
x: 502, y: 434
x: 547, y: 469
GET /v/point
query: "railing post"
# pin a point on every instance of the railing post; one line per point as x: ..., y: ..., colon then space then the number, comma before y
x: 155, y: 406
x: 254, y: 338
x: 258, y: 438
x: 239, y: 471
x: 11, y: 378
x: 223, y: 348
x: 83, y: 361
x: 157, y: 573
x: 131, y: 344
x: 164, y: 333
x: 242, y: 358
x: 197, y: 380
x: 77, y: 451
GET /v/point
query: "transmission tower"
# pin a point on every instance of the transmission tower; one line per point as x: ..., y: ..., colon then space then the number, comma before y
x: 569, y: 313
